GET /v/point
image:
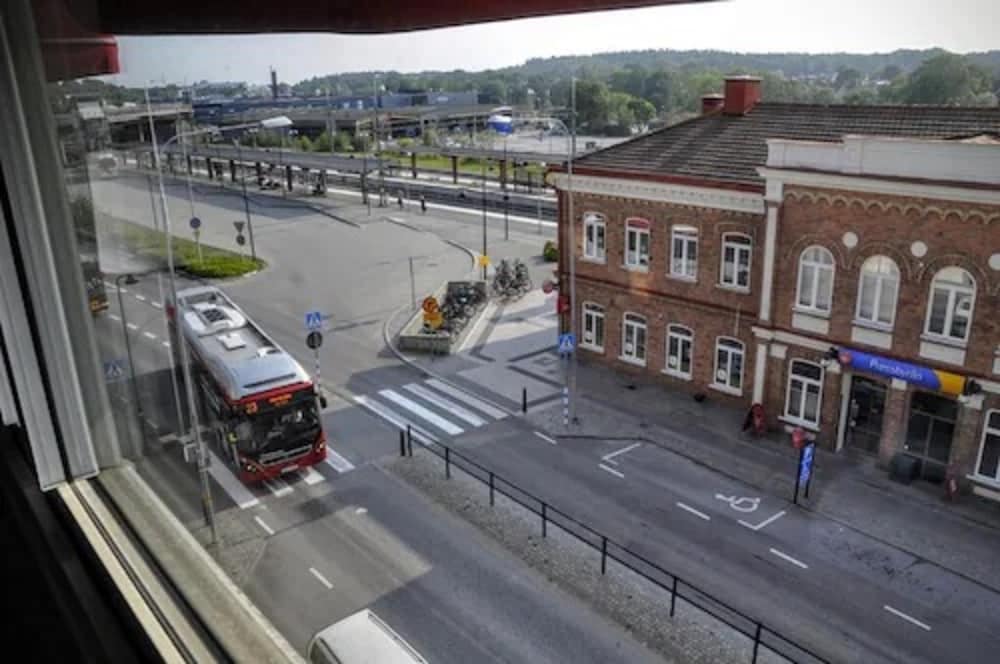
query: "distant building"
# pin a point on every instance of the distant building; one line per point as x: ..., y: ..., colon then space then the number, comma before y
x: 839, y: 265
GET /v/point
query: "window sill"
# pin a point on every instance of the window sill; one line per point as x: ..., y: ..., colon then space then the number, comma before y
x: 725, y: 389
x: 983, y: 480
x: 682, y: 278
x: 592, y: 348
x: 636, y: 268
x: 676, y: 374
x: 944, y: 341
x: 815, y: 313
x: 594, y: 259
x: 872, y: 325
x: 743, y: 290
x: 805, y: 424
x: 631, y: 360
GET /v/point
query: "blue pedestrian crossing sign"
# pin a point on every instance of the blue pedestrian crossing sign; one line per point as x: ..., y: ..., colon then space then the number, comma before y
x: 314, y: 320
x: 805, y: 469
x: 567, y: 342
x: 114, y: 370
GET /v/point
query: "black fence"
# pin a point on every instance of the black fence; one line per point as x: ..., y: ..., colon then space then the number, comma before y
x: 755, y: 630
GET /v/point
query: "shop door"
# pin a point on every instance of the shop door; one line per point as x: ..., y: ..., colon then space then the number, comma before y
x: 929, y: 433
x: 864, y: 423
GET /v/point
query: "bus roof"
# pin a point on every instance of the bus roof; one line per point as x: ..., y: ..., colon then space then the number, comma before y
x: 243, y: 360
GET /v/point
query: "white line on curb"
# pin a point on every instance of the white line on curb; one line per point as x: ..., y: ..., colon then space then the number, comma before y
x: 688, y: 508
x: 907, y: 618
x: 149, y: 335
x: 769, y: 520
x: 141, y: 298
x: 547, y: 439
x: 322, y: 579
x: 260, y: 522
x: 609, y: 457
x: 788, y: 558
x: 612, y: 471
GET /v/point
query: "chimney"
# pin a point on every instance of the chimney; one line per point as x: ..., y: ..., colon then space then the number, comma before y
x: 711, y: 103
x: 274, y: 84
x: 742, y: 94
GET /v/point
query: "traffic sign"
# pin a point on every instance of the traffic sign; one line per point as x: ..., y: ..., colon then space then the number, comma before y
x: 484, y: 260
x: 314, y: 320
x: 114, y: 369
x: 195, y: 223
x: 239, y: 226
x: 314, y: 339
x: 567, y: 342
x: 241, y: 239
x: 429, y: 305
x: 805, y: 466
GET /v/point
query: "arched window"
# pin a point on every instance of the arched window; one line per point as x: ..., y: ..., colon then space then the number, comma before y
x: 684, y: 252
x: 735, y: 269
x: 593, y: 327
x: 594, y: 236
x: 680, y: 342
x: 815, y: 290
x: 728, y: 365
x: 877, y: 291
x: 637, y: 243
x: 634, y: 338
x: 949, y: 311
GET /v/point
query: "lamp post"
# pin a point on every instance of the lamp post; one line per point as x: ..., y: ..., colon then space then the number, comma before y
x: 378, y: 147
x: 206, y: 488
x: 130, y: 280
x: 484, y: 218
x: 246, y: 201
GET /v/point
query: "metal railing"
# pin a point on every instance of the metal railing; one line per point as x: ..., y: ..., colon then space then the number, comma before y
x: 746, y: 625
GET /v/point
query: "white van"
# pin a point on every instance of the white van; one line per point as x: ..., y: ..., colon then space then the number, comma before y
x: 362, y: 638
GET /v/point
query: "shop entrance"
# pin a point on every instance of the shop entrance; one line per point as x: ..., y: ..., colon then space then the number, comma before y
x: 929, y: 433
x: 864, y: 423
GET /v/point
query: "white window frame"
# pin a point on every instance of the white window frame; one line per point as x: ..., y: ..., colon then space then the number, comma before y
x: 727, y: 343
x: 687, y: 267
x: 593, y: 250
x: 639, y: 231
x: 593, y: 310
x: 878, y: 279
x: 805, y: 383
x: 740, y: 243
x: 813, y: 304
x: 987, y: 430
x: 637, y: 321
x: 684, y: 335
x: 954, y: 292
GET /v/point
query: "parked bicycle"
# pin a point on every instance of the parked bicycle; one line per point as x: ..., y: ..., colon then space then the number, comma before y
x: 511, y: 279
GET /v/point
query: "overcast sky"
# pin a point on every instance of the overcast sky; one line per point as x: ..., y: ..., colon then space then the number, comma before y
x: 812, y: 26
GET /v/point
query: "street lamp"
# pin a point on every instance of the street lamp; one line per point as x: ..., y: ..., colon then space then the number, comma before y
x: 130, y: 280
x: 503, y: 124
x: 246, y: 201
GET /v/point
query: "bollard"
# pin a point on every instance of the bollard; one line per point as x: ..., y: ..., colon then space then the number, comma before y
x: 524, y: 400
x: 673, y: 597
x: 409, y: 440
x: 604, y: 554
x: 491, y: 488
x: 402, y: 443
x: 544, y: 509
x: 756, y: 644
x: 447, y: 463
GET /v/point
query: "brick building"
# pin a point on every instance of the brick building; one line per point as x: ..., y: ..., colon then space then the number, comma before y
x: 839, y: 265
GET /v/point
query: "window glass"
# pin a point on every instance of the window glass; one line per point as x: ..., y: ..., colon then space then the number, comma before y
x: 679, y: 346
x: 815, y: 289
x: 735, y: 261
x: 637, y: 244
x: 729, y: 364
x: 950, y: 308
x: 804, y: 389
x: 684, y: 257
x: 593, y: 326
x: 877, y: 291
x: 989, y: 454
x: 634, y: 338
x: 594, y: 236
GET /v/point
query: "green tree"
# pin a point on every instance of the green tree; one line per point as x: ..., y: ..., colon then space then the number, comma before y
x: 429, y: 137
x: 493, y: 91
x: 342, y: 142
x: 304, y: 144
x: 862, y: 97
x: 322, y: 143
x: 642, y: 110
x: 593, y: 103
x: 946, y: 79
x: 848, y: 78
x: 661, y: 88
x: 888, y: 73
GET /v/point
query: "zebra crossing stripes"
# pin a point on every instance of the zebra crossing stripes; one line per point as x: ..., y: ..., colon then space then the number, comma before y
x: 424, y: 409
x: 467, y: 398
x: 441, y: 423
x: 445, y: 404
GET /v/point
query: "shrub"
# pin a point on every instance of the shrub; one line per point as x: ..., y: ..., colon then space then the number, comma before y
x: 550, y: 252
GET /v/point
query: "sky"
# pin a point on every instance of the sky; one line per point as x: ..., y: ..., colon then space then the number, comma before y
x: 810, y: 26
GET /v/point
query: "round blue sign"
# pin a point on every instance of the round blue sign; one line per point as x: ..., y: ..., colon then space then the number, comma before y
x: 195, y: 223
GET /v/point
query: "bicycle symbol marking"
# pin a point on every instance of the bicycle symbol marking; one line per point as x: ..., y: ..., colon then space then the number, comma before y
x: 740, y: 503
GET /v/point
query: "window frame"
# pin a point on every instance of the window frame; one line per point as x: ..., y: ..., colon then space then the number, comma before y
x: 631, y: 356
x: 954, y: 291
x: 683, y: 334
x: 591, y: 313
x: 727, y: 387
x: 813, y: 306
x: 987, y: 430
x: 687, y: 235
x: 806, y: 382
x: 640, y: 227
x: 595, y: 221
x: 739, y: 242
x: 880, y: 279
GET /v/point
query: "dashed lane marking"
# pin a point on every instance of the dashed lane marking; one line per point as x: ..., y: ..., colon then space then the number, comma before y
x: 547, y: 439
x: 149, y: 335
x: 260, y: 522
x: 688, y: 508
x: 322, y: 579
x: 278, y: 487
x: 612, y: 471
x: 166, y: 344
x: 310, y: 476
x: 132, y: 326
x: 337, y: 462
x: 157, y: 305
x: 141, y: 298
x: 907, y: 618
x: 788, y: 558
x: 114, y: 317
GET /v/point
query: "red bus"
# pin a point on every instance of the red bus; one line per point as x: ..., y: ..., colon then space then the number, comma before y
x: 257, y: 397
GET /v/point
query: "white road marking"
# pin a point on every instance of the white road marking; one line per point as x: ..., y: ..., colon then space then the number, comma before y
x: 788, y: 558
x: 445, y: 404
x: 752, y: 503
x: 157, y: 305
x: 132, y: 326
x: 688, y: 508
x: 168, y: 438
x: 393, y: 418
x: 149, y: 335
x: 113, y: 317
x: 612, y: 471
x: 141, y: 298
x: 322, y: 579
x: 123, y: 290
x: 310, y: 476
x: 547, y: 439
x: 467, y: 398
x: 441, y: 423
x: 361, y: 510
x: 278, y: 487
x: 108, y: 284
x: 907, y: 618
x: 337, y: 462
x: 166, y: 344
x: 260, y: 522
x: 230, y: 483
x: 609, y: 457
x: 768, y: 520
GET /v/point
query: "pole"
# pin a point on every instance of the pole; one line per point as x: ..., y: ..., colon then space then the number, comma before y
x: 484, y: 219
x: 131, y: 368
x: 538, y: 202
x: 206, y: 487
x: 246, y: 203
x: 319, y: 386
x: 798, y: 475
x: 378, y: 147
x: 506, y: 198
x: 571, y: 250
x: 413, y: 286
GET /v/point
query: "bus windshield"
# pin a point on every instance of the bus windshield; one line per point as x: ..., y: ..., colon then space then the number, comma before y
x: 291, y: 425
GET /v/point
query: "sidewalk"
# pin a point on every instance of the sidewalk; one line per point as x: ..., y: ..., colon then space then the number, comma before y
x: 963, y: 537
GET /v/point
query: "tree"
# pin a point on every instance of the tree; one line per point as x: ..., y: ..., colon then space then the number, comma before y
x: 429, y: 137
x: 342, y: 142
x: 493, y: 91
x: 642, y: 110
x: 592, y: 103
x: 888, y: 73
x: 847, y: 78
x: 304, y: 144
x: 619, y: 113
x: 322, y: 143
x: 946, y: 79
x: 660, y: 88
x: 862, y: 97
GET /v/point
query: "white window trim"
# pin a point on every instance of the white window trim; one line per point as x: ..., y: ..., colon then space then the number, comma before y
x: 689, y: 233
x: 726, y: 387
x: 630, y: 358
x: 982, y: 447
x: 949, y: 315
x: 879, y: 278
x: 594, y: 219
x: 637, y: 267
x: 738, y: 247
x: 788, y: 417
x: 677, y: 373
x: 816, y: 266
x: 583, y: 319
